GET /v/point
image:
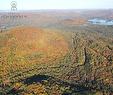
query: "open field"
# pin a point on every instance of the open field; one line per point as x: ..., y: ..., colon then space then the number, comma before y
x: 54, y: 52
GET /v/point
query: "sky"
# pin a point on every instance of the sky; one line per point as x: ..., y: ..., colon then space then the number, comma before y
x: 57, y: 4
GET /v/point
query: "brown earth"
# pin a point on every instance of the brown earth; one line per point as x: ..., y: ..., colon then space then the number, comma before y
x: 76, y: 21
x: 36, y: 44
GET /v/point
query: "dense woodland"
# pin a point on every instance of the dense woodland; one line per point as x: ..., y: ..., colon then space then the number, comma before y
x: 56, y: 53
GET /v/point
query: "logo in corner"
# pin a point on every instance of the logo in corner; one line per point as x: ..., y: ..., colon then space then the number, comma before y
x: 13, y: 6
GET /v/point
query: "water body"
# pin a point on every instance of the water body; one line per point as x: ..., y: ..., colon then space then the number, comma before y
x: 99, y: 21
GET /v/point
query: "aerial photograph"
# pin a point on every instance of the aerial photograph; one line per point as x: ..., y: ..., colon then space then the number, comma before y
x: 56, y: 47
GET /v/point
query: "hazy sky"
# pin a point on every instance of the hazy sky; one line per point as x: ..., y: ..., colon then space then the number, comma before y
x: 57, y: 4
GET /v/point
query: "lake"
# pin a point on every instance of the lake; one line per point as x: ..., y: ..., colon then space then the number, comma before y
x: 99, y: 21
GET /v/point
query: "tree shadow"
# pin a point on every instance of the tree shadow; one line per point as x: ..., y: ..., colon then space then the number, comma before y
x: 51, y: 80
x: 35, y: 79
x: 76, y: 89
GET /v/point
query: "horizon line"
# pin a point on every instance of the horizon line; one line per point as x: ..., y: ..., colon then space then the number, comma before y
x: 57, y: 9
